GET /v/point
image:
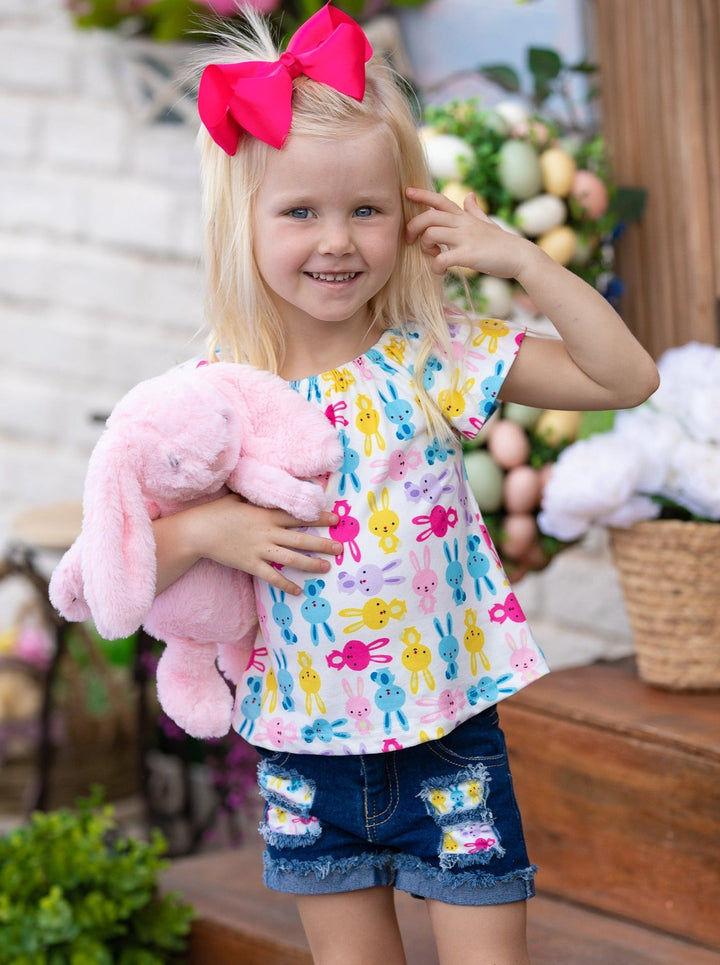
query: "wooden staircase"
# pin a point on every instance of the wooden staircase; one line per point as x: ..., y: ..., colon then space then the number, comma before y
x: 619, y: 786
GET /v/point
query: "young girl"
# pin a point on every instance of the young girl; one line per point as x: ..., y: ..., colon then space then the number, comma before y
x: 389, y: 630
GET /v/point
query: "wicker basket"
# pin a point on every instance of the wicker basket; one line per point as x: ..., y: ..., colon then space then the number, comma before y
x: 670, y: 579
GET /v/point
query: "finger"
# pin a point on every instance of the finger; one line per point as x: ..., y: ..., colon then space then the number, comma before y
x: 302, y: 542
x: 324, y: 520
x: 431, y: 198
x: 429, y: 221
x: 301, y: 561
x: 277, y: 578
x: 472, y: 207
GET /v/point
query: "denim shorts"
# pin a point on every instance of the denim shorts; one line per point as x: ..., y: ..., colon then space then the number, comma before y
x: 438, y: 820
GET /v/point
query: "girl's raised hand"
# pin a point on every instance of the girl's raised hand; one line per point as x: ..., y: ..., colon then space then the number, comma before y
x: 464, y: 237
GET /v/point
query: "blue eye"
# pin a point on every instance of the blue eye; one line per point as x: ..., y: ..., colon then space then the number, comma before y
x: 300, y: 213
x: 365, y: 211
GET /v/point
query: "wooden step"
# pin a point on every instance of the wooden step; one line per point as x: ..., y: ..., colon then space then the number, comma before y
x: 242, y: 923
x: 619, y: 787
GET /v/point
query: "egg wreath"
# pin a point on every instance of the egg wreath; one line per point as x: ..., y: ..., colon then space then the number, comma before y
x: 557, y: 191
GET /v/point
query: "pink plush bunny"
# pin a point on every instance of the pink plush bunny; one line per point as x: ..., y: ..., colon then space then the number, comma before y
x: 173, y: 442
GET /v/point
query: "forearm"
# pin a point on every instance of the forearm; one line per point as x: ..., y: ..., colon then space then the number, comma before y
x: 595, y: 364
x: 593, y: 334
x: 231, y: 532
x: 175, y: 552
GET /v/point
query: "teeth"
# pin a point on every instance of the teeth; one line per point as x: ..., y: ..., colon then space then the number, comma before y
x: 323, y: 276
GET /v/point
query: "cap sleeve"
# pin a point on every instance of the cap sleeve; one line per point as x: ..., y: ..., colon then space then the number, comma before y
x: 466, y: 385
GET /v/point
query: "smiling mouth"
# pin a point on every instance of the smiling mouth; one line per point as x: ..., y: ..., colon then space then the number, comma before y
x: 332, y: 276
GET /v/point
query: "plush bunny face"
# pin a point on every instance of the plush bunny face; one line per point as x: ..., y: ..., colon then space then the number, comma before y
x: 183, y: 450
x: 173, y: 441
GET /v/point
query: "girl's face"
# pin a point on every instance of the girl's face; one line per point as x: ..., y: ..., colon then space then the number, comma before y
x: 328, y: 221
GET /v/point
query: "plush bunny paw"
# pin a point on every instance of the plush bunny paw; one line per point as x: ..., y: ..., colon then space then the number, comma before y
x: 191, y: 691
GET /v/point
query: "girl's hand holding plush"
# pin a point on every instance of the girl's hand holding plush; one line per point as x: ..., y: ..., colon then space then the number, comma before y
x: 238, y: 534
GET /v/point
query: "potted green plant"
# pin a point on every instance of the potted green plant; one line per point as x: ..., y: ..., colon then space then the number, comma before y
x: 75, y: 891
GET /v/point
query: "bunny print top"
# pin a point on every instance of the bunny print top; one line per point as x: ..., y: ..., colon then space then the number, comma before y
x: 415, y: 627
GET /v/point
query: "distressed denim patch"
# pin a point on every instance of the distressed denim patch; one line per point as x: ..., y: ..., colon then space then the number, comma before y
x: 458, y: 804
x: 289, y: 796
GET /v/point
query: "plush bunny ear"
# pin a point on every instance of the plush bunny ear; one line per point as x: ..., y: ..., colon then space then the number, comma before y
x: 66, y: 590
x: 118, y: 553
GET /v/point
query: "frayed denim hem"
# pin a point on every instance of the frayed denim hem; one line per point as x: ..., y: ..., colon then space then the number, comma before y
x: 450, y: 879
x: 325, y: 867
x: 404, y: 872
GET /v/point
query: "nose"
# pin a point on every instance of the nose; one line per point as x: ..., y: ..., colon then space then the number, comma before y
x: 336, y: 238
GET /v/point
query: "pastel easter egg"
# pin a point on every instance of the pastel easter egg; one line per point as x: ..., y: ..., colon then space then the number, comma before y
x: 559, y: 243
x: 536, y: 557
x: 590, y: 193
x: 457, y: 191
x: 496, y: 296
x: 558, y: 170
x: 525, y: 415
x: 584, y: 250
x: 443, y: 153
x: 518, y: 532
x: 521, y: 490
x: 508, y: 444
x: 495, y: 121
x: 571, y: 143
x: 545, y: 472
x: 537, y: 132
x: 486, y: 480
x: 512, y: 112
x: 519, y: 170
x: 540, y: 214
x: 558, y: 427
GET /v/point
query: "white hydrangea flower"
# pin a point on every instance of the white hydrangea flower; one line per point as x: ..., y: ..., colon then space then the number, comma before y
x: 655, y: 435
x: 592, y: 480
x: 631, y: 512
x: 669, y: 448
x: 690, y: 366
x: 701, y: 412
x: 694, y: 478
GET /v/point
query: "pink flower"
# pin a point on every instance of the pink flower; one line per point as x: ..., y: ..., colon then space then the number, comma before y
x: 35, y: 645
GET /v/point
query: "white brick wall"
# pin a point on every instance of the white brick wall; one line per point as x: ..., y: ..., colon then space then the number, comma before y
x: 100, y: 287
x: 100, y: 284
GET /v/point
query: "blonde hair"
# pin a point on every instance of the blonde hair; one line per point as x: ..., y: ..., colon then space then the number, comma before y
x: 244, y: 325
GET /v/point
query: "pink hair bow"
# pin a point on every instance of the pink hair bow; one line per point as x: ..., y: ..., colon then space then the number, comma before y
x: 257, y: 96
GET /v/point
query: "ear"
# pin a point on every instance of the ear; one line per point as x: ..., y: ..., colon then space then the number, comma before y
x: 118, y: 557
x: 66, y: 590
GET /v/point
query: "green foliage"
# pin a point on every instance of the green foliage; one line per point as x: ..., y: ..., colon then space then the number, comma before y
x: 549, y: 72
x: 165, y: 20
x: 594, y: 422
x: 75, y: 892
